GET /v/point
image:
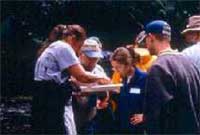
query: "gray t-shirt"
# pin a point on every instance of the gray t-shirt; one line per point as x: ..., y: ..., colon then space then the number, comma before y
x: 98, y: 70
x: 53, y: 61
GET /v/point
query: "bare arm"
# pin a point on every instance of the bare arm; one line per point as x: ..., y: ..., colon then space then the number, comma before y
x: 81, y: 75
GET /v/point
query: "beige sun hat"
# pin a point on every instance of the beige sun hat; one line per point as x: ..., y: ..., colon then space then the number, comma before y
x: 193, y: 24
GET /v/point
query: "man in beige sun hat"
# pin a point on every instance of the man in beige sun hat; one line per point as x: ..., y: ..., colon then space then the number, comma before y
x: 193, y: 24
x: 192, y: 37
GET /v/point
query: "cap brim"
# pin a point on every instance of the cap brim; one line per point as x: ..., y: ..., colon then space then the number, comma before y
x: 190, y: 29
x: 140, y: 38
x: 93, y: 54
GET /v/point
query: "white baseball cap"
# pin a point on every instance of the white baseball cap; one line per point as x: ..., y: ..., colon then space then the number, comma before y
x: 92, y: 47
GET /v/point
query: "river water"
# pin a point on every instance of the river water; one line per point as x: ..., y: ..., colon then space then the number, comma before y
x: 15, y: 116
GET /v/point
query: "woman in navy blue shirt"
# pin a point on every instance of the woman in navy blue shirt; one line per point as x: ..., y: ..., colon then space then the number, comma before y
x: 131, y: 98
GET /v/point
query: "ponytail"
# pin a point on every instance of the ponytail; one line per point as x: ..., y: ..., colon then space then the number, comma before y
x: 135, y: 56
x: 75, y: 30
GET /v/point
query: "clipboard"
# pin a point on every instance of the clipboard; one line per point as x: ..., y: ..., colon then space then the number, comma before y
x: 100, y: 88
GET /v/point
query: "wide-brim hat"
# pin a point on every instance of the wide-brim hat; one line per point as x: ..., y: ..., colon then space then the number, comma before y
x: 193, y: 24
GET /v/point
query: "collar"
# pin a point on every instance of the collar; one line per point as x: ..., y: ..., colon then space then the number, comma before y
x: 168, y: 51
x: 130, y: 77
x: 134, y: 76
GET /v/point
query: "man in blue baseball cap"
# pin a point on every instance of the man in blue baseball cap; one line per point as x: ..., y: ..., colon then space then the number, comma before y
x: 172, y: 101
x: 160, y: 29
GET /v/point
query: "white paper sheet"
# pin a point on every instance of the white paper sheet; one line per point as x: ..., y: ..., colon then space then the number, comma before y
x: 101, y: 88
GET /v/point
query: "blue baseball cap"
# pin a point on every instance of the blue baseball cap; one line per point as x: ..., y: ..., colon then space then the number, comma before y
x: 92, y: 47
x: 158, y: 27
x: 154, y: 27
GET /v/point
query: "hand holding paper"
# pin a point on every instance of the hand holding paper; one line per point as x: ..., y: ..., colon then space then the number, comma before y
x: 100, y: 88
x: 104, y: 80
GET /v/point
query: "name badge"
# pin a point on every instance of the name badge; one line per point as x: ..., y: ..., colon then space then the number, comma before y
x: 135, y: 90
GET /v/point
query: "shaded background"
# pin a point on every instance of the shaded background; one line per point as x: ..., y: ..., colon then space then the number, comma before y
x: 25, y: 24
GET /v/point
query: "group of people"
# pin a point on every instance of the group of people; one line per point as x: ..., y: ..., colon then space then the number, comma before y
x: 160, y: 92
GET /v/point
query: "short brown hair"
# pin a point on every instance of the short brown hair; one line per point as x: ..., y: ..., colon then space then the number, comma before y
x: 162, y: 37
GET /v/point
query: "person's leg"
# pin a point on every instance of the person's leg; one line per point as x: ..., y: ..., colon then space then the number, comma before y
x: 54, y: 122
x: 69, y: 123
x: 105, y: 121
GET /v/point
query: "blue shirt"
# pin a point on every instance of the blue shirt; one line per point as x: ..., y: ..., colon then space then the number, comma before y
x: 131, y: 100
